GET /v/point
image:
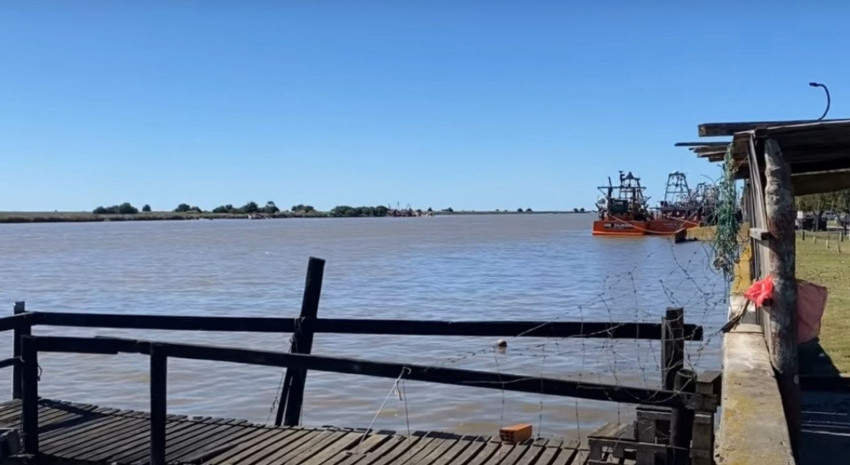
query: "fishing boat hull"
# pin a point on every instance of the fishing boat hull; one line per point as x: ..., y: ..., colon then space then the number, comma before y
x: 617, y: 227
x: 669, y: 226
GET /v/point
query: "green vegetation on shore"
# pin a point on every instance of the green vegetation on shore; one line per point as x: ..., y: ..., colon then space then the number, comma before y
x: 831, y: 268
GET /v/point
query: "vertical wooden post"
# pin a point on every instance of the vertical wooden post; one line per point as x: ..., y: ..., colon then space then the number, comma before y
x: 25, y: 330
x: 672, y: 346
x: 159, y: 377
x: 702, y: 440
x: 292, y: 393
x: 29, y: 402
x: 682, y: 421
x: 782, y: 328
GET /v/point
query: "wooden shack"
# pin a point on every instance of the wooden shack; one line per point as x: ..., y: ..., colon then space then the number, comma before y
x: 776, y: 161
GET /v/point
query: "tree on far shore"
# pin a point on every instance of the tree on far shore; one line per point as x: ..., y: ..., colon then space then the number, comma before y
x: 146, y: 208
x: 185, y: 208
x: 123, y: 209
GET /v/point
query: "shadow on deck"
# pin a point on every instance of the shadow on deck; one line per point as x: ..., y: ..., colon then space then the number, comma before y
x: 825, y: 408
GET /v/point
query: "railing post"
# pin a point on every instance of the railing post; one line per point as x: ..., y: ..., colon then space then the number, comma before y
x: 672, y: 346
x: 158, y: 374
x: 29, y: 387
x: 292, y: 393
x: 781, y: 334
x: 682, y: 421
x: 23, y: 330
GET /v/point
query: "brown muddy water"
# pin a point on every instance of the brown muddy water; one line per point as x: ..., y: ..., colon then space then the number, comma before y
x: 500, y: 267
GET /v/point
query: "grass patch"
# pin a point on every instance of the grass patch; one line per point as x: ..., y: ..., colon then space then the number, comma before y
x: 828, y: 267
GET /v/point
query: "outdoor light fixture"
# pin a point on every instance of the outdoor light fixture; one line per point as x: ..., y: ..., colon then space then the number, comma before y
x: 817, y: 84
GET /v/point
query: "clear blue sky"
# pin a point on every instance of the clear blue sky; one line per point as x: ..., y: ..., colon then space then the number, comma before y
x: 469, y: 104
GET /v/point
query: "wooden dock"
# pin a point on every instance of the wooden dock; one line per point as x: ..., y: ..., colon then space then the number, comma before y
x: 80, y: 434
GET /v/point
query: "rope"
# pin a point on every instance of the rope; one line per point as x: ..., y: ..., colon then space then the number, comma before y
x: 393, y: 389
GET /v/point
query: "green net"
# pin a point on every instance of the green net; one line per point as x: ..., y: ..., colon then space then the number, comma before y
x: 726, y: 246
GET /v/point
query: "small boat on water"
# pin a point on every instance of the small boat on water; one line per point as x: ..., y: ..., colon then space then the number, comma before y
x: 623, y: 208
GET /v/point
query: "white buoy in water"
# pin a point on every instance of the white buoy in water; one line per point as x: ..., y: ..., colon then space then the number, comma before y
x: 501, y: 344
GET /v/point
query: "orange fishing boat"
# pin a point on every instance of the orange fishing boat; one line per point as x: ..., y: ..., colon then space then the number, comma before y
x: 622, y: 209
x: 681, y: 208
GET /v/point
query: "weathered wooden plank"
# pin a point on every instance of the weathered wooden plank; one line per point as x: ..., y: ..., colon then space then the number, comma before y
x: 175, y: 432
x: 218, y: 444
x: 518, y: 452
x: 90, y: 426
x: 416, y: 453
x: 359, y: 454
x: 194, y: 435
x: 547, y: 455
x: 440, y: 449
x: 490, y: 452
x: 79, y: 447
x: 457, y: 449
x: 568, y: 456
x: 215, y: 453
x: 273, y: 448
x: 479, y: 447
x: 305, y: 449
x: 373, y: 444
x: 332, y: 453
x: 244, y: 445
x: 261, y: 448
x: 214, y: 433
x: 395, y: 453
x: 96, y: 420
x: 123, y: 438
x: 137, y: 447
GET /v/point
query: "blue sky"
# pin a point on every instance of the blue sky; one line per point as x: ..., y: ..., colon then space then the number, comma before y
x: 471, y: 104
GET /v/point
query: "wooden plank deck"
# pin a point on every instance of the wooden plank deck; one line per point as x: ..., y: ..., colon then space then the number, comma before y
x: 81, y: 433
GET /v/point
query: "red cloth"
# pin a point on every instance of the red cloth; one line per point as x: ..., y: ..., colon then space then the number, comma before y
x: 760, y: 291
x: 811, y: 302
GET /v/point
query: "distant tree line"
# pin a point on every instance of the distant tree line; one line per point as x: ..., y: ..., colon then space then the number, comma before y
x: 346, y: 211
x: 271, y: 209
x: 123, y: 209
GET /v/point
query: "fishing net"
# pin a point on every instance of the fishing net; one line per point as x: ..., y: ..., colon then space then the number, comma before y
x: 726, y: 246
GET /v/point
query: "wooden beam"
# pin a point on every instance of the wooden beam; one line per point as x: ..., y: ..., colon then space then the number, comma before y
x: 431, y: 374
x: 549, y: 329
x: 553, y: 329
x: 158, y: 385
x: 821, y: 182
x: 29, y: 401
x: 292, y: 393
x: 167, y: 322
x: 729, y: 129
x: 781, y: 265
x: 702, y: 144
x: 22, y: 328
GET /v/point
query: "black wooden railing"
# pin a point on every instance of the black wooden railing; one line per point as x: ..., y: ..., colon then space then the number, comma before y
x: 672, y: 331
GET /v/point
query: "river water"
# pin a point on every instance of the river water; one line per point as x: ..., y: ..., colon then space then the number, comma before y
x: 543, y: 267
